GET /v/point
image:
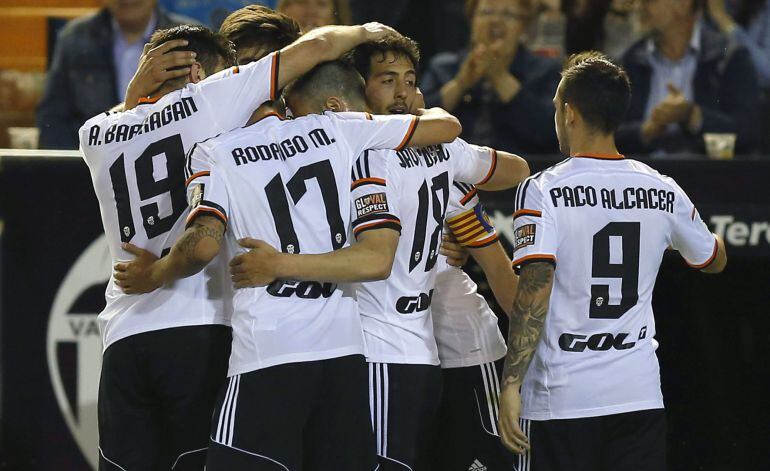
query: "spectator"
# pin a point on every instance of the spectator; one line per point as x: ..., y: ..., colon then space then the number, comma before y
x: 94, y: 59
x: 749, y: 25
x: 688, y: 79
x: 311, y: 14
x: 499, y: 90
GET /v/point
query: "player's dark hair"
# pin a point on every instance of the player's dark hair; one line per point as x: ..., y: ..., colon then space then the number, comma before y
x: 397, y: 44
x: 260, y: 27
x: 334, y: 78
x: 342, y: 13
x: 212, y: 48
x: 599, y: 89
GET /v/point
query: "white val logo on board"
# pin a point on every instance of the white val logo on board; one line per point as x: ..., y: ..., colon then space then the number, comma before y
x: 74, y: 345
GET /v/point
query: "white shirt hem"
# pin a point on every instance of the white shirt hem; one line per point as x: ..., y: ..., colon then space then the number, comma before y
x: 475, y: 360
x: 596, y: 412
x: 111, y: 338
x: 295, y: 358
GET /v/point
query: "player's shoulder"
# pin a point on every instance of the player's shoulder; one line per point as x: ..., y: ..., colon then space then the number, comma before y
x: 644, y: 169
x: 549, y: 176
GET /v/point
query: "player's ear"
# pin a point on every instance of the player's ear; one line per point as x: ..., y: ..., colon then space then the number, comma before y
x: 196, y: 72
x: 335, y: 104
x: 570, y: 114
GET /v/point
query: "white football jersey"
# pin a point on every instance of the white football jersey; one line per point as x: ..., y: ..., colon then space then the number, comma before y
x: 605, y: 223
x: 408, y: 191
x: 465, y: 327
x: 137, y: 160
x: 287, y: 182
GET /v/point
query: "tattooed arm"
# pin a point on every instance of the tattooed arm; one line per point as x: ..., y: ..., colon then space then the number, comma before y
x: 526, y: 324
x: 198, y: 245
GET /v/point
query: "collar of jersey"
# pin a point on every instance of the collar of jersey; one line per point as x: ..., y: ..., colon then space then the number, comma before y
x: 600, y: 156
x: 148, y: 100
x: 268, y: 115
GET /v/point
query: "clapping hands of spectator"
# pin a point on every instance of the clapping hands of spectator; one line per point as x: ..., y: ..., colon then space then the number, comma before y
x: 718, y: 13
x: 674, y: 109
x: 474, y: 67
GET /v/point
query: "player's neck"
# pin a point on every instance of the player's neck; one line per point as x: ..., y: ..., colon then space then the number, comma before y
x: 594, y: 145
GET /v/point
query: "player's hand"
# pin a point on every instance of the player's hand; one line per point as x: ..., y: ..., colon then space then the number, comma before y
x: 136, y: 277
x: 155, y: 67
x: 510, y: 409
x: 418, y: 103
x: 455, y: 254
x: 256, y: 267
x: 375, y: 31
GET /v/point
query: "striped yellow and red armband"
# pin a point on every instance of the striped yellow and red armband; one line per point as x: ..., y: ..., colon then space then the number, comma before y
x: 472, y: 228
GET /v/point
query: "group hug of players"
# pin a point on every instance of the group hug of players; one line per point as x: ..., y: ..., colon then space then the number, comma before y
x: 279, y: 299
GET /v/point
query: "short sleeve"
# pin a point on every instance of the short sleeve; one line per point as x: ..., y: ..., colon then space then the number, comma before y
x: 206, y: 191
x: 690, y: 235
x: 364, y: 131
x: 466, y: 218
x: 374, y: 194
x: 534, y: 227
x: 233, y: 94
x: 472, y: 163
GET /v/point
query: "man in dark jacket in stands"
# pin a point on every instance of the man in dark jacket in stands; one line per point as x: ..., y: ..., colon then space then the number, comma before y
x: 688, y: 79
x: 94, y: 59
x: 499, y: 90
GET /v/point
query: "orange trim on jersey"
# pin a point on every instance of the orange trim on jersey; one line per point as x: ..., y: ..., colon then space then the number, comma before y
x: 196, y: 175
x: 389, y: 222
x: 468, y: 196
x: 148, y: 100
x: 534, y: 257
x: 274, y: 76
x: 601, y: 156
x: 364, y: 181
x: 204, y: 209
x: 484, y: 242
x: 711, y: 259
x: 267, y: 115
x: 409, y: 133
x: 492, y: 168
x: 527, y: 212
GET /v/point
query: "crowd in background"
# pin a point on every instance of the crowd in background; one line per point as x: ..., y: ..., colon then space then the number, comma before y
x: 699, y: 68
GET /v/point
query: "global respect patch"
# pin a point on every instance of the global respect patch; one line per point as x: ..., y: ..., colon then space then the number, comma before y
x: 524, y: 236
x: 370, y: 204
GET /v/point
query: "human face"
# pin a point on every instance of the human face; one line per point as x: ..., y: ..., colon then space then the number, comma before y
x: 131, y: 14
x: 391, y: 85
x: 658, y: 15
x: 310, y: 14
x: 501, y: 20
x: 559, y: 121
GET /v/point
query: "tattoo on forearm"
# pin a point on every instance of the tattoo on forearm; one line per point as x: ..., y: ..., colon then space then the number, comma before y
x: 527, y: 319
x: 191, y: 238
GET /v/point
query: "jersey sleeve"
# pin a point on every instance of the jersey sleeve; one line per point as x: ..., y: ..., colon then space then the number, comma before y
x: 233, y: 94
x: 466, y: 218
x: 472, y: 163
x: 363, y: 131
x: 534, y: 227
x: 690, y: 235
x: 206, y: 191
x: 374, y: 194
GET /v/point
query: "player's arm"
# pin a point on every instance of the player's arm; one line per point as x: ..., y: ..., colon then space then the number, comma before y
x: 369, y: 259
x: 434, y: 126
x: 508, y: 170
x: 324, y: 44
x: 197, y: 246
x: 718, y: 264
x: 499, y: 273
x: 526, y: 325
